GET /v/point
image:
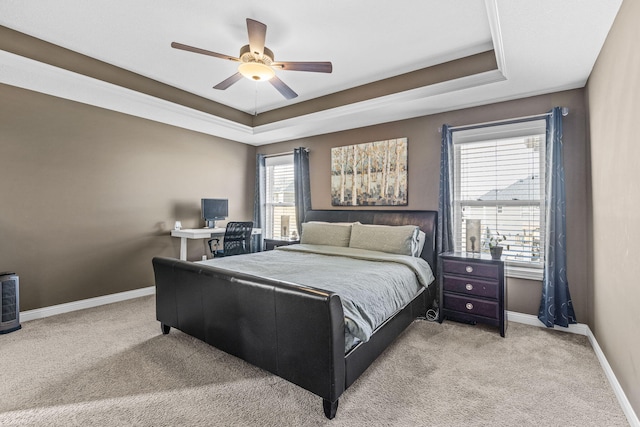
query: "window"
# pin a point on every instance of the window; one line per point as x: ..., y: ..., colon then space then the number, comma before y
x: 280, y: 195
x: 499, y: 179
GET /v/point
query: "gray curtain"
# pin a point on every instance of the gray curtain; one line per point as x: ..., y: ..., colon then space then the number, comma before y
x: 445, y: 202
x: 556, y: 306
x: 302, y: 184
x: 259, y: 201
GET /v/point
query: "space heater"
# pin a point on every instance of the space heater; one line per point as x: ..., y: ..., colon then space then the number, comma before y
x: 10, y: 311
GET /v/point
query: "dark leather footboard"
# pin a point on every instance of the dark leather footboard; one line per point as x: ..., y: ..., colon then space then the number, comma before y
x: 295, y: 332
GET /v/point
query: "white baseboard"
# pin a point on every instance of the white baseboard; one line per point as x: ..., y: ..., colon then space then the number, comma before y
x: 632, y: 417
x: 40, y: 313
x: 583, y: 329
x: 529, y: 319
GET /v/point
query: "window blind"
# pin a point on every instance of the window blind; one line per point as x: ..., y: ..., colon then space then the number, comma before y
x: 499, y: 180
x: 280, y: 195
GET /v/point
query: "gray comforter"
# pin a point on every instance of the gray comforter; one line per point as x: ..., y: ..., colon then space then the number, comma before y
x: 372, y: 285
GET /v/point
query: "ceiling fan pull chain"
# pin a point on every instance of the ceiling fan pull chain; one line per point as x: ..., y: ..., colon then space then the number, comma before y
x: 255, y: 107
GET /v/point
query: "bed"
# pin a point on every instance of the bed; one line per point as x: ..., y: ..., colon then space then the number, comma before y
x: 294, y: 330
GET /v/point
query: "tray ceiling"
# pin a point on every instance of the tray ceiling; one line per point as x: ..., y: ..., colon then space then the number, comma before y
x: 391, y: 60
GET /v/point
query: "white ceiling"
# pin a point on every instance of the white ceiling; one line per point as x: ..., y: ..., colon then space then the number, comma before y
x: 541, y: 46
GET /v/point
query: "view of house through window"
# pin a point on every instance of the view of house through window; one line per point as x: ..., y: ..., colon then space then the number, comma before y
x: 499, y: 180
x: 280, y: 196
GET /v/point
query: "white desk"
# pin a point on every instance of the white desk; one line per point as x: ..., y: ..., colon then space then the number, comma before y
x: 200, y: 233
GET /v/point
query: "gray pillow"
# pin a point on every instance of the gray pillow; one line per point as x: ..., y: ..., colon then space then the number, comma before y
x: 401, y: 239
x: 417, y: 250
x: 325, y: 233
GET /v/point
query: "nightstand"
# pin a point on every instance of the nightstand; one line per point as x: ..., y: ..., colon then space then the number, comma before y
x: 472, y: 289
x: 270, y: 244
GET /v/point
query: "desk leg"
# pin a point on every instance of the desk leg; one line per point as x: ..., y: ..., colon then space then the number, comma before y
x: 183, y: 248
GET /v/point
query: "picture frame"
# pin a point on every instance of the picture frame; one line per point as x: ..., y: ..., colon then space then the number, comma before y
x: 370, y: 174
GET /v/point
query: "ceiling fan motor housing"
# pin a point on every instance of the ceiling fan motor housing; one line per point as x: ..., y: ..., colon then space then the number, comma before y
x: 247, y: 56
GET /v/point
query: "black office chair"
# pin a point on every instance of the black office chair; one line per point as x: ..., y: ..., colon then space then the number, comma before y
x: 237, y: 239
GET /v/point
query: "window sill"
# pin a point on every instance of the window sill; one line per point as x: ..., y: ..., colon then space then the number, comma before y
x: 522, y: 272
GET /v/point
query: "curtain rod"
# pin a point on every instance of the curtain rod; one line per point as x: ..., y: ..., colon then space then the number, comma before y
x: 283, y: 154
x: 278, y: 154
x: 565, y: 112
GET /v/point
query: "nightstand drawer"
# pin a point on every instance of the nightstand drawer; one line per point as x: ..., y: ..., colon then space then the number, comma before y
x: 471, y: 268
x: 474, y: 287
x: 473, y: 306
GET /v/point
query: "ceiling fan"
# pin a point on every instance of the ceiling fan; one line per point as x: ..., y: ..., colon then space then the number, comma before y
x: 257, y: 61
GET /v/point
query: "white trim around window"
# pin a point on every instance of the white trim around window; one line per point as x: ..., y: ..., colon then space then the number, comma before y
x: 498, y: 193
x: 519, y: 271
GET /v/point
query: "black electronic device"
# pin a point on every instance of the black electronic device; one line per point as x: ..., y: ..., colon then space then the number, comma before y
x: 214, y: 210
x: 10, y: 297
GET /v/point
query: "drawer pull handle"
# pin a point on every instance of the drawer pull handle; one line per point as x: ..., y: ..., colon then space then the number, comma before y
x: 469, y: 269
x: 469, y: 306
x: 469, y: 286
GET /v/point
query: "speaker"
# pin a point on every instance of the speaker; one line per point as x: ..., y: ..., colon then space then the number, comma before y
x: 10, y: 309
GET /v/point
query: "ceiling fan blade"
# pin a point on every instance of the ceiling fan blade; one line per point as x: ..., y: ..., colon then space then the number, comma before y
x: 188, y: 48
x: 316, y: 67
x: 285, y: 90
x: 257, y: 34
x: 228, y: 82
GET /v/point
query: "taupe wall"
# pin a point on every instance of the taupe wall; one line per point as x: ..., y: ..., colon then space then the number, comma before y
x: 88, y: 195
x: 614, y: 108
x: 424, y: 170
x: 94, y: 193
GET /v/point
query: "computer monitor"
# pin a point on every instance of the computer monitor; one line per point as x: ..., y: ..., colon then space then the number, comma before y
x: 214, y: 210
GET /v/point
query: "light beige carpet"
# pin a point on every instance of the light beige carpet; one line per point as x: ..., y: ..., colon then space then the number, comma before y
x: 111, y: 366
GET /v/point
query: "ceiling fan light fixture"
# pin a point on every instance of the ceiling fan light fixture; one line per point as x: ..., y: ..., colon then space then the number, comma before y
x: 256, y: 71
x: 256, y: 62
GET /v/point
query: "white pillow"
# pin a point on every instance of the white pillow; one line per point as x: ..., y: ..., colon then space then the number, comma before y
x: 400, y: 239
x: 325, y: 233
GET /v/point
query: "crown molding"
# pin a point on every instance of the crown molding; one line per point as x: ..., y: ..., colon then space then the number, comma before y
x: 37, y: 76
x: 19, y: 71
x: 398, y: 106
x: 496, y: 35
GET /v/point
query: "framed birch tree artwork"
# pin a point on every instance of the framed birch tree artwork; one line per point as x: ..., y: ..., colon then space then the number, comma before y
x: 370, y: 174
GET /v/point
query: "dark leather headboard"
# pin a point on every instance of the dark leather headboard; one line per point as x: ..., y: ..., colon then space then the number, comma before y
x: 426, y: 220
